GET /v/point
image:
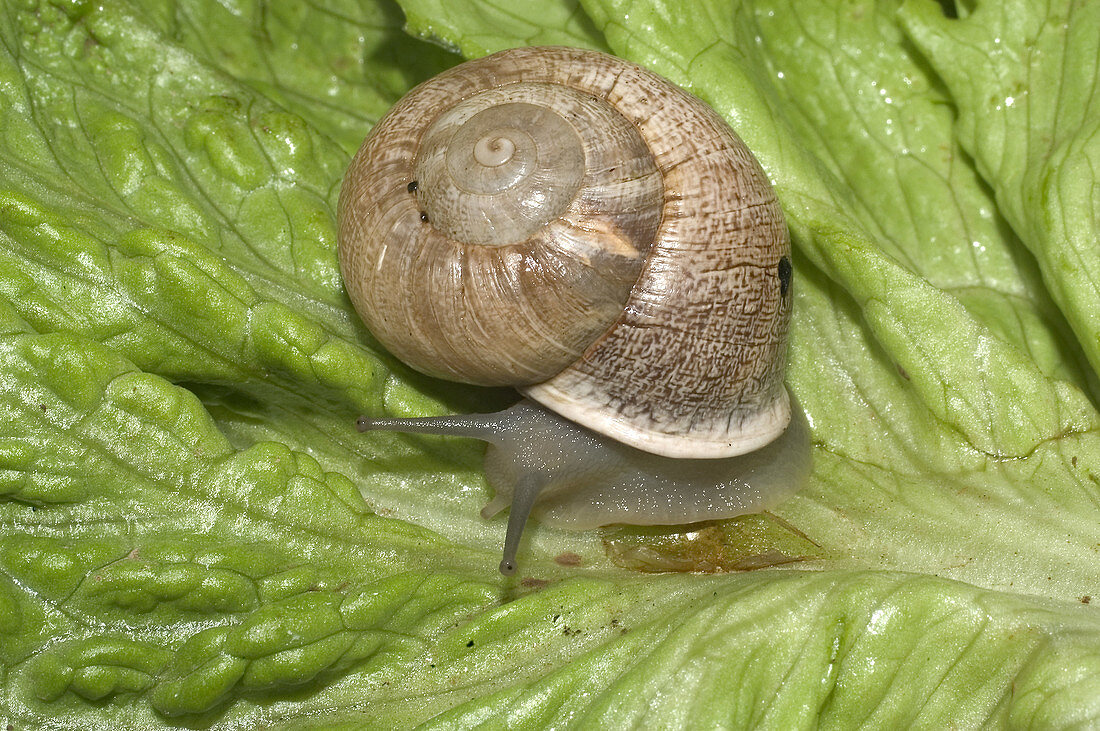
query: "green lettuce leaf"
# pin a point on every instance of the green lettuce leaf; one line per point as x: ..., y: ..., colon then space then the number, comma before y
x: 193, y: 533
x: 1028, y: 116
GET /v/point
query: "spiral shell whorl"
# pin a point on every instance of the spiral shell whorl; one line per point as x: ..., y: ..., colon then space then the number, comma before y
x: 505, y: 276
x: 492, y: 171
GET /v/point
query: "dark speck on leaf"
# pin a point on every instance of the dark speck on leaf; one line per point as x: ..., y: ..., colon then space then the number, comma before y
x: 568, y: 558
x: 470, y: 643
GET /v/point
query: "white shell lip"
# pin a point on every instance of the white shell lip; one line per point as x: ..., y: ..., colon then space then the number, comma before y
x: 748, y: 434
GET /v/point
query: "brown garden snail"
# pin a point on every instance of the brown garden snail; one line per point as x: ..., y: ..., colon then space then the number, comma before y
x: 578, y: 227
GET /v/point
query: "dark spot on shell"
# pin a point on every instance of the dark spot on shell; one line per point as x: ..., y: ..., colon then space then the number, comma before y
x: 423, y: 216
x: 413, y: 186
x: 785, y: 271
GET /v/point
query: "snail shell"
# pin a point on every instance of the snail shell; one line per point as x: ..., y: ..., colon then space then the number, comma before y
x: 574, y: 225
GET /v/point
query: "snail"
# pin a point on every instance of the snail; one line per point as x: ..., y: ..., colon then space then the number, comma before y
x: 578, y: 227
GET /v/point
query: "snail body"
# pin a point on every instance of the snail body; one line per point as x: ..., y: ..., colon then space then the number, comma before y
x: 573, y: 225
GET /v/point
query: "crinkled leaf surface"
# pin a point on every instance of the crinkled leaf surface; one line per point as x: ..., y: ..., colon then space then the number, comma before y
x: 192, y: 533
x: 1025, y: 77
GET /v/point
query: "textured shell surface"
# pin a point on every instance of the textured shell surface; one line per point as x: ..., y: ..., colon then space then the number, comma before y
x: 577, y: 226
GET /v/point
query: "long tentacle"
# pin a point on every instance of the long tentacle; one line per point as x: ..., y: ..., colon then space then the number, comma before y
x: 466, y: 425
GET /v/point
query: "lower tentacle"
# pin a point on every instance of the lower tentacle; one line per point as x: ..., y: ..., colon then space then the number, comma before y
x: 523, y: 499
